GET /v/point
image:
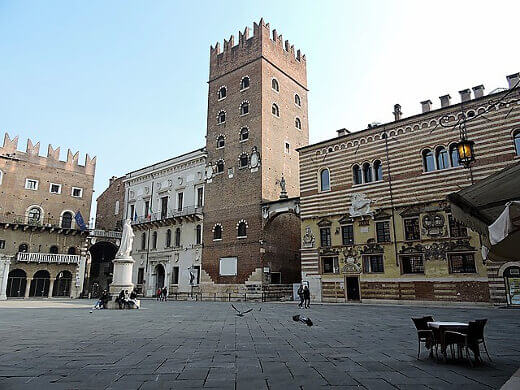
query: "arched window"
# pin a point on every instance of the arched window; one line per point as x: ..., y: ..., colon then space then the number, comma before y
x: 378, y: 170
x: 442, y: 158
x: 178, y: 237
x: 168, y: 238
x: 242, y: 229
x: 244, y: 83
x: 324, y: 180
x: 516, y: 138
x: 143, y: 241
x: 275, y: 110
x: 221, y: 118
x: 356, y: 174
x: 154, y: 240
x: 454, y: 156
x: 221, y: 141
x: 71, y: 251
x: 428, y: 160
x: 298, y: 123
x: 243, y: 161
x: 53, y: 249
x: 34, y: 215
x: 244, y: 108
x: 274, y: 85
x: 23, y: 248
x: 220, y: 166
x: 217, y: 232
x: 198, y: 235
x: 244, y: 134
x: 66, y: 220
x: 367, y: 172
x: 297, y: 100
x: 222, y: 92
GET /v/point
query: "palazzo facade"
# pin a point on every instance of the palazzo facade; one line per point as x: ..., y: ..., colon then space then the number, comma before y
x: 375, y: 221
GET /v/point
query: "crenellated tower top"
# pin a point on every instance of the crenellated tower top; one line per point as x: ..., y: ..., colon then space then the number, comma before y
x: 262, y: 44
x: 32, y: 154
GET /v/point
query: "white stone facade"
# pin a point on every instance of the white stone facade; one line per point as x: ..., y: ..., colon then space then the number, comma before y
x: 164, y: 202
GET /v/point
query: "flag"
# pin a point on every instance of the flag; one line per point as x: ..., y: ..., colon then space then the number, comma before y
x: 79, y: 221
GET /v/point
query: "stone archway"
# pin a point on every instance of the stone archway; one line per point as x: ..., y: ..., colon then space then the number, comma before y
x: 62, y: 284
x: 160, y: 275
x: 40, y: 284
x: 16, y: 283
x: 101, y: 267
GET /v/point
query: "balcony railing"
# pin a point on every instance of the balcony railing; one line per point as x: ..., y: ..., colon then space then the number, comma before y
x: 29, y: 257
x: 171, y: 213
x: 40, y: 222
x: 104, y: 233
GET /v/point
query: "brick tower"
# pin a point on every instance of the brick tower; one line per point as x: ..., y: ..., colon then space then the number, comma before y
x: 257, y: 117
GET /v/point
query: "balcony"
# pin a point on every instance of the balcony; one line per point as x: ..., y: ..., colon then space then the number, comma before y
x: 43, y: 223
x: 171, y: 217
x: 104, y: 233
x: 28, y: 257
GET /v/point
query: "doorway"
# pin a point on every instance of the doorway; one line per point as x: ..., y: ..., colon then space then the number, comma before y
x: 159, y: 277
x: 512, y: 282
x: 352, y: 288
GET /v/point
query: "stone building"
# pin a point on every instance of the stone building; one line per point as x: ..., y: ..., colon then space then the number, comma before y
x: 164, y: 202
x: 42, y: 238
x: 375, y: 221
x: 257, y: 118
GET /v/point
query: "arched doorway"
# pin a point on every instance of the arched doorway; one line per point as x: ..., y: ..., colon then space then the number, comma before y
x: 40, y: 284
x: 159, y: 276
x: 62, y: 284
x: 101, y: 267
x: 16, y: 282
x: 512, y: 281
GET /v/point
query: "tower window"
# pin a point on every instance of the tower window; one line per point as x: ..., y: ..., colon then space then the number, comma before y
x: 274, y: 85
x: 378, y: 170
x: 221, y: 142
x: 217, y: 232
x: 220, y: 166
x: 243, y: 161
x: 367, y: 172
x: 325, y: 180
x: 242, y: 229
x: 244, y: 108
x: 428, y: 161
x: 297, y: 100
x: 356, y: 174
x: 66, y: 220
x: 221, y: 117
x: 244, y: 134
x: 275, y: 110
x: 244, y: 83
x: 298, y: 123
x: 442, y: 158
x: 222, y: 93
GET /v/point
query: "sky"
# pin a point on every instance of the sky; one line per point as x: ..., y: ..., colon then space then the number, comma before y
x: 126, y: 81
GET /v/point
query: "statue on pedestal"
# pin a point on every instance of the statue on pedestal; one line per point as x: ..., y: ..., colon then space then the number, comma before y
x: 123, y: 264
x: 127, y: 239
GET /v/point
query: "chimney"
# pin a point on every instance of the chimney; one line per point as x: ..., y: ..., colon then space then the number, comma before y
x: 478, y: 91
x: 426, y: 106
x: 445, y: 100
x: 397, y: 112
x: 465, y: 95
x: 513, y: 80
x: 342, y: 132
x: 112, y: 180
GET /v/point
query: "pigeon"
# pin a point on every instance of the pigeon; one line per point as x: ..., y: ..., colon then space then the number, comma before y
x: 305, y: 320
x: 240, y: 314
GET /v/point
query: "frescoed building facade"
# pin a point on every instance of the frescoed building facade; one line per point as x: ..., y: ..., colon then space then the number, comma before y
x: 375, y: 221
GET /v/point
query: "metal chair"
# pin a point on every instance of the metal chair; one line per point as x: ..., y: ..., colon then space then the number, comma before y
x: 472, y: 338
x: 425, y: 334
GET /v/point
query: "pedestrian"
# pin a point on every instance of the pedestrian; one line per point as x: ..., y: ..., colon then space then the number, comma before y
x: 306, y: 296
x: 159, y: 294
x: 300, y: 295
x: 133, y: 299
x: 164, y: 294
x: 121, y: 299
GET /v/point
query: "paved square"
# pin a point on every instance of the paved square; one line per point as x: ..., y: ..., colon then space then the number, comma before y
x: 178, y: 345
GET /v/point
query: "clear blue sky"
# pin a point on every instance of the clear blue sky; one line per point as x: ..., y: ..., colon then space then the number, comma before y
x: 126, y: 80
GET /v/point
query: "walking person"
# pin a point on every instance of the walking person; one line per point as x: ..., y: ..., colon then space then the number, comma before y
x: 158, y: 294
x: 306, y: 296
x: 164, y: 293
x: 300, y: 295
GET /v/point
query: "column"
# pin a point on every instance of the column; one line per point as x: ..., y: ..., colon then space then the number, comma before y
x: 3, y: 279
x: 27, y: 287
x: 51, y: 286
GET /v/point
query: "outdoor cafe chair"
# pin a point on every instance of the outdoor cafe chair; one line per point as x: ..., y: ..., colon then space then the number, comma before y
x: 469, y: 340
x: 425, y: 334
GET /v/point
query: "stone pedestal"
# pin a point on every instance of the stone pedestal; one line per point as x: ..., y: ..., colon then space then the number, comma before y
x: 122, y: 280
x: 4, y: 274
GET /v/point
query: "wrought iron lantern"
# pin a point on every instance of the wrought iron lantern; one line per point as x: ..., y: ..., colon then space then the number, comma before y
x: 465, y: 151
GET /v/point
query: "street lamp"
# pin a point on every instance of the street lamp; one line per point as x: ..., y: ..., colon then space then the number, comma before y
x: 465, y: 151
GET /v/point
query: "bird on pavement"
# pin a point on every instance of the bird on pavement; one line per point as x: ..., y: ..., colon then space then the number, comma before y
x: 240, y: 313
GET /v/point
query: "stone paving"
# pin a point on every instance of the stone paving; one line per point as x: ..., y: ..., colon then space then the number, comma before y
x: 178, y: 345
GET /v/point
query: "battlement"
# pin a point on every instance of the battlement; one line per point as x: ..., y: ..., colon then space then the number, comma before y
x: 9, y: 149
x: 262, y: 43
